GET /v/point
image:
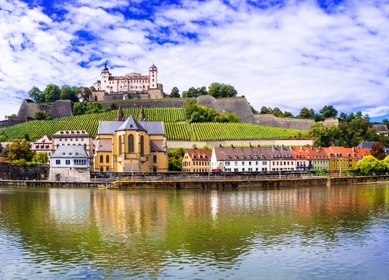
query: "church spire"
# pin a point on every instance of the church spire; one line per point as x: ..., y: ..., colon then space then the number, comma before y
x: 142, y: 116
x: 119, y: 115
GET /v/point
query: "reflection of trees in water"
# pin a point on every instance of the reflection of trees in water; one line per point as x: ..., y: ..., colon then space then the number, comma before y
x: 140, y: 231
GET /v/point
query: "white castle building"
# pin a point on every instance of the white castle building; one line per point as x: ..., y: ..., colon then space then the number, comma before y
x: 131, y: 85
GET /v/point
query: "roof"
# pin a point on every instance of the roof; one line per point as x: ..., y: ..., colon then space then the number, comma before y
x: 196, y: 154
x: 70, y: 152
x: 110, y: 127
x: 130, y: 124
x: 71, y: 133
x: 253, y: 153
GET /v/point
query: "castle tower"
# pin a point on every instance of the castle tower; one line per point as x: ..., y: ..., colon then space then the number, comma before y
x: 104, y: 78
x: 153, y: 76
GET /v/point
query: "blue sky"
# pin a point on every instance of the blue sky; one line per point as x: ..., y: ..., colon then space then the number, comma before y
x: 286, y: 54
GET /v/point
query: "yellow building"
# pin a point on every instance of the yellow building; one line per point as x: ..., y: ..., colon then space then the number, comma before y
x: 130, y: 146
x: 196, y: 160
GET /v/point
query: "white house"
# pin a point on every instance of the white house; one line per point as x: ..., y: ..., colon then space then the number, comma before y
x: 252, y: 159
x: 70, y: 163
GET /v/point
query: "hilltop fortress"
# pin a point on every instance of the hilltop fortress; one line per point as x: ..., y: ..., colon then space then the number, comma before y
x: 136, y: 90
x: 130, y: 86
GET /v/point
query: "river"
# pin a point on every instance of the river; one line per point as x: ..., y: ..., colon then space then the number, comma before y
x: 337, y: 232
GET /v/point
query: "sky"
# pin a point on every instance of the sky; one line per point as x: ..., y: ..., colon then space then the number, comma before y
x: 285, y: 54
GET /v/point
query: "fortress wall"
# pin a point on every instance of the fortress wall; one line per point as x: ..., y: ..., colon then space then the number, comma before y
x: 147, y: 103
x: 270, y: 120
x: 60, y: 108
x: 237, y: 105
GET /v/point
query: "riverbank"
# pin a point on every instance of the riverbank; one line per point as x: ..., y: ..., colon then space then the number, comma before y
x: 205, y: 183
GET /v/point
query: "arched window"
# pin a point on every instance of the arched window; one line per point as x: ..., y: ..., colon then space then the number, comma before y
x: 155, y: 159
x: 101, y: 159
x: 107, y: 159
x: 130, y: 143
x: 142, y: 146
x: 120, y: 145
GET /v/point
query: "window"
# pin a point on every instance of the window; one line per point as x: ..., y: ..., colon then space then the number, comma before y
x: 142, y: 146
x: 101, y: 159
x: 120, y: 145
x: 67, y: 162
x: 155, y: 159
x: 80, y: 162
x: 130, y: 143
x: 57, y: 161
x: 107, y: 158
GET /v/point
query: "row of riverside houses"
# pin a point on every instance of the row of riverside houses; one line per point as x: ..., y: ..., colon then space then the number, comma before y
x: 272, y: 158
x: 122, y: 145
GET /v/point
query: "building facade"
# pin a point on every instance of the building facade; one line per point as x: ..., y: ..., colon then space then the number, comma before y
x: 131, y: 146
x: 131, y: 85
x: 70, y: 164
x: 74, y: 138
x: 43, y: 145
x: 196, y: 160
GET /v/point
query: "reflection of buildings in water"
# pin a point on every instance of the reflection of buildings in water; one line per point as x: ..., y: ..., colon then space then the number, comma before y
x: 214, y: 204
x: 67, y: 205
x: 127, y: 212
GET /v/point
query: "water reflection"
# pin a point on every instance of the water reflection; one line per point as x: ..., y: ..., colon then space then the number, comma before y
x: 299, y: 233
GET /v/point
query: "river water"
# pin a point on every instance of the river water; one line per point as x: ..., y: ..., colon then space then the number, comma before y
x: 338, y: 232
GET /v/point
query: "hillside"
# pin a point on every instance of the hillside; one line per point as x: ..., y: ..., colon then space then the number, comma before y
x: 175, y: 127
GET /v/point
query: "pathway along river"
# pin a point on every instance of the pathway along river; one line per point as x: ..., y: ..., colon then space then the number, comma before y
x: 337, y: 232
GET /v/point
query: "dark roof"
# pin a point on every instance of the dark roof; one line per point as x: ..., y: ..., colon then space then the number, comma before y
x: 131, y: 124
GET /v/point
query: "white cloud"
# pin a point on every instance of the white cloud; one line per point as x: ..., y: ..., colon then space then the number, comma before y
x: 290, y: 56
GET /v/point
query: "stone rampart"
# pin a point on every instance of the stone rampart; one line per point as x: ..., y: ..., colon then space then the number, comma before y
x: 271, y: 120
x: 59, y: 109
x: 237, y: 105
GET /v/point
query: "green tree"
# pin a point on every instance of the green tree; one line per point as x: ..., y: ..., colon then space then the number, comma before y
x: 175, y: 159
x: 218, y: 90
x: 306, y: 113
x: 39, y: 115
x: 277, y: 112
x: 19, y: 152
x: 202, y: 90
x: 175, y: 93
x: 79, y: 108
x: 52, y: 93
x: 83, y: 93
x: 40, y: 158
x: 36, y: 95
x: 370, y: 164
x: 69, y: 93
x: 191, y: 92
x: 253, y: 109
x: 329, y: 111
x: 263, y: 110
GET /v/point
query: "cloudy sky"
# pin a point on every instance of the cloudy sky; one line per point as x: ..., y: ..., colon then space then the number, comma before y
x: 286, y: 54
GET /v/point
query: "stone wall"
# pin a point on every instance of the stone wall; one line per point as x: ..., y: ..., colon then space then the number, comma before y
x: 271, y: 120
x: 15, y: 172
x: 237, y: 105
x: 69, y: 174
x: 59, y: 109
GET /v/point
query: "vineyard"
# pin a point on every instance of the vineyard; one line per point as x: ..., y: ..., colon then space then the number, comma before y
x: 175, y: 127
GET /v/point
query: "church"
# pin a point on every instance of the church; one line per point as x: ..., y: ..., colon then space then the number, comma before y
x: 129, y: 145
x: 130, y: 86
